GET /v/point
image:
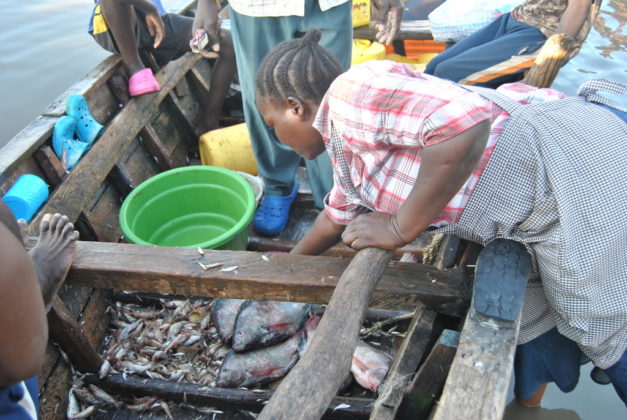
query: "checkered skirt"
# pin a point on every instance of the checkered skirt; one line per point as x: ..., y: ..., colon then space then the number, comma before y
x: 557, y: 182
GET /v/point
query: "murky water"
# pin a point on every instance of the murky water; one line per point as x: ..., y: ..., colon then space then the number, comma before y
x: 44, y: 48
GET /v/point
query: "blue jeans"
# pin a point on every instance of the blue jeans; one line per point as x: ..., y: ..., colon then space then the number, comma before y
x: 498, y: 53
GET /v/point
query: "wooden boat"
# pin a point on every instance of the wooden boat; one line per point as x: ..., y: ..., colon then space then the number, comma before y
x: 150, y: 134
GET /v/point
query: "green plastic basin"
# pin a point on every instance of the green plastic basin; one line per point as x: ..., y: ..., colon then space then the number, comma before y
x: 195, y: 206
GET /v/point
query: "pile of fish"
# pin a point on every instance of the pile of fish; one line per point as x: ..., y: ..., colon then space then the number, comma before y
x: 224, y: 343
x: 267, y: 338
x: 176, y: 342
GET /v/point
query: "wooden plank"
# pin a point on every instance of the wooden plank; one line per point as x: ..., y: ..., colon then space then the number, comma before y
x: 68, y: 334
x: 429, y: 380
x: 402, y: 370
x: 203, y: 396
x: 323, y: 368
x: 121, y: 180
x: 265, y: 244
x: 54, y: 394
x: 549, y: 61
x: 50, y: 165
x: 479, y: 377
x: 155, y: 147
x: 85, y: 86
x: 85, y: 179
x: 297, y: 278
x: 23, y: 145
x: 410, y: 29
x: 483, y: 365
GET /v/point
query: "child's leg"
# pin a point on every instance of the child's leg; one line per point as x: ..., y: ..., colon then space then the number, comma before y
x: 122, y: 20
x: 221, y: 77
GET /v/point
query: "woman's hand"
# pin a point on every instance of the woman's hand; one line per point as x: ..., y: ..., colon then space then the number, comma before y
x: 206, y: 21
x: 373, y: 229
x: 390, y: 14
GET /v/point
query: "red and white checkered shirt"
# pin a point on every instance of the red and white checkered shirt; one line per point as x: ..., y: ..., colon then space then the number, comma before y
x: 376, y: 119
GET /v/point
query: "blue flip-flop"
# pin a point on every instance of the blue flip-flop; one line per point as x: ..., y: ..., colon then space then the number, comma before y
x: 87, y: 128
x: 68, y: 149
x: 272, y: 214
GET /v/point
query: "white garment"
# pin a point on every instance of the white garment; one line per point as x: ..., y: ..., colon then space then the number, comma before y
x: 270, y: 8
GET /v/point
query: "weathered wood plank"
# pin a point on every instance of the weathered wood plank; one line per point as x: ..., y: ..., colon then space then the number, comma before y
x: 216, y: 397
x: 85, y: 179
x: 410, y: 29
x: 323, y: 367
x: 155, y: 147
x: 479, y: 377
x: 54, y: 393
x: 407, y: 358
x: 549, y: 61
x: 50, y: 165
x: 288, y: 277
x: 429, y: 380
x: 85, y: 86
x: 265, y: 244
x: 23, y: 145
x: 68, y: 334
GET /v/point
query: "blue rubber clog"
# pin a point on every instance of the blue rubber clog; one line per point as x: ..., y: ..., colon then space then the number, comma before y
x: 87, y: 128
x: 272, y: 214
x: 65, y: 146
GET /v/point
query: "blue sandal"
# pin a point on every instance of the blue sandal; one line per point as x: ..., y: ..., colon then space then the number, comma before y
x: 68, y: 149
x: 272, y: 214
x: 88, y: 129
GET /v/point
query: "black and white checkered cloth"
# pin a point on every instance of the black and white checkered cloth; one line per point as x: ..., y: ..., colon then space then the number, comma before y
x: 557, y: 182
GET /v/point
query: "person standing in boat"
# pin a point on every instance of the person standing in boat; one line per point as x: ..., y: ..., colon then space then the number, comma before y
x: 29, y: 281
x: 258, y: 26
x: 125, y: 27
x: 502, y: 51
x: 412, y: 152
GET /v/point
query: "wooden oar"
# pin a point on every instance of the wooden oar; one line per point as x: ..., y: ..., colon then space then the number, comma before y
x: 479, y: 377
x: 309, y: 387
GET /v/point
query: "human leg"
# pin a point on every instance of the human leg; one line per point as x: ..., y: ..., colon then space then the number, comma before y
x: 25, y: 330
x: 551, y: 357
x: 122, y: 20
x: 492, y: 56
x: 337, y: 37
x: 618, y: 375
x: 253, y: 38
x: 221, y: 76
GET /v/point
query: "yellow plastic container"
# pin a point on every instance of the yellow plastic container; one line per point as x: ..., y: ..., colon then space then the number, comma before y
x: 361, y: 12
x: 229, y: 148
x: 365, y: 50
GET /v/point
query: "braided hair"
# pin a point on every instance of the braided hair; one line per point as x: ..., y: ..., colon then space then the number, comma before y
x: 297, y: 67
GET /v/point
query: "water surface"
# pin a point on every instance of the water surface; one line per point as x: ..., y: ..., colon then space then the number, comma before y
x: 44, y: 48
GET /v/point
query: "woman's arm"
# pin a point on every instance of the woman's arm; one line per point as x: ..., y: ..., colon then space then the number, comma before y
x: 443, y: 170
x: 323, y: 235
x: 573, y: 18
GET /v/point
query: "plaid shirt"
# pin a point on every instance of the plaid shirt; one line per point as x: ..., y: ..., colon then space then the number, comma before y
x: 377, y: 118
x: 266, y: 8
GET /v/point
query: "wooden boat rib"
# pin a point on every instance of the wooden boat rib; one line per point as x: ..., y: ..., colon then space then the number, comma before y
x: 147, y: 135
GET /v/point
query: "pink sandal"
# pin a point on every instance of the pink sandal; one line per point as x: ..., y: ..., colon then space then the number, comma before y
x: 143, y: 82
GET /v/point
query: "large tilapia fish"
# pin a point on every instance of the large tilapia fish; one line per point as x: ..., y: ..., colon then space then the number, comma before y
x: 263, y: 323
x: 258, y: 367
x: 369, y: 366
x: 223, y: 313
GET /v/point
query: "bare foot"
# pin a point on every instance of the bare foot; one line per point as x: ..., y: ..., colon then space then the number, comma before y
x: 23, y: 225
x: 53, y: 254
